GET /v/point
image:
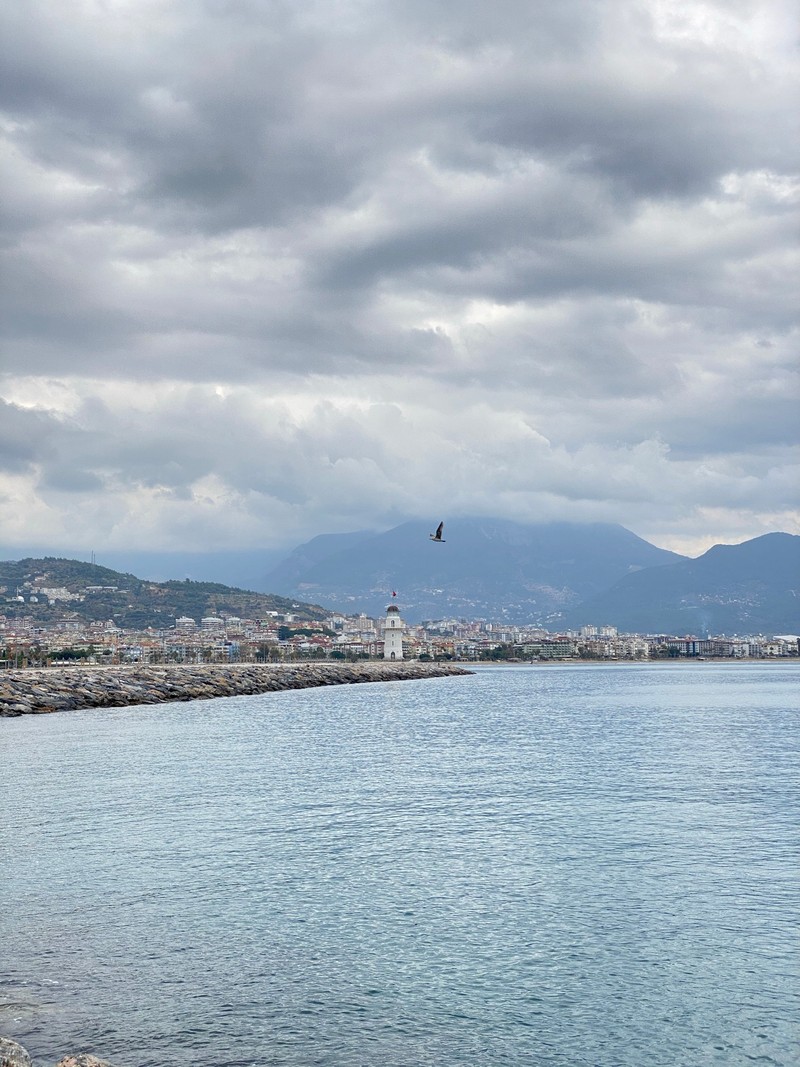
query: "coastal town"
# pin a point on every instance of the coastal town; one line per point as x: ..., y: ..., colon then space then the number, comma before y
x: 277, y: 637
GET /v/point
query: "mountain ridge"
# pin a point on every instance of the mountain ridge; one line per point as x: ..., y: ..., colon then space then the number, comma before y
x: 490, y: 568
x: 752, y: 587
x: 556, y: 575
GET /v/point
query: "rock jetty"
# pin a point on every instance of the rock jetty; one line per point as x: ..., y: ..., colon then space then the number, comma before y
x: 14, y: 1055
x: 47, y: 689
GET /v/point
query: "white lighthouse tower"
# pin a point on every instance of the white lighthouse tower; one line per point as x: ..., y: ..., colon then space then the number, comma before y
x: 393, y: 633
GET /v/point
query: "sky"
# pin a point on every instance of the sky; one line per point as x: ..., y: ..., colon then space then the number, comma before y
x: 272, y: 270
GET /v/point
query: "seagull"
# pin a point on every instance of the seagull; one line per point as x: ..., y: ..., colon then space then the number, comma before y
x: 438, y: 535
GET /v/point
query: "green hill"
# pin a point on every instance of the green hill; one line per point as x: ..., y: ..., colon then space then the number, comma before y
x: 86, y: 592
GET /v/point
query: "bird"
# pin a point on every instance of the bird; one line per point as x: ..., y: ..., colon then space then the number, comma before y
x: 438, y: 535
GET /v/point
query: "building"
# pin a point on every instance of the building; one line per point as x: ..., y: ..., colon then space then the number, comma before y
x: 393, y: 633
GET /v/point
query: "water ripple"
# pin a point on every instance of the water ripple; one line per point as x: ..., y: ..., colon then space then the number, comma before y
x: 551, y: 866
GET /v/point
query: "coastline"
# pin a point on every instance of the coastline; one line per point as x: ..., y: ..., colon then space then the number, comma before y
x: 610, y: 661
x: 36, y: 690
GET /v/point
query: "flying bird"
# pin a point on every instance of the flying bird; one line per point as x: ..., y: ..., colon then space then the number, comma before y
x: 438, y: 535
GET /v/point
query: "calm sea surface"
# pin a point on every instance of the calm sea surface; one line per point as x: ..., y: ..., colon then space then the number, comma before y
x: 547, y: 866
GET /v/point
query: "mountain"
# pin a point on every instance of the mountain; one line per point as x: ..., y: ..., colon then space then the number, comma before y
x: 749, y: 588
x: 557, y: 574
x: 290, y: 571
x: 487, y: 568
x: 236, y: 568
x: 99, y: 594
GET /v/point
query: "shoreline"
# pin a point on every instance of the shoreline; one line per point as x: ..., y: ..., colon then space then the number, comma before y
x: 660, y: 661
x: 610, y: 661
x: 44, y: 690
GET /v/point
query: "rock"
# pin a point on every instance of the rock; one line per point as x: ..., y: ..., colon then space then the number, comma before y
x: 15, y: 708
x: 41, y: 690
x: 12, y: 1054
x: 83, y: 1059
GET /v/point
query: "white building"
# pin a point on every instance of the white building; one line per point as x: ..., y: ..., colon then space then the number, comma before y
x: 393, y: 633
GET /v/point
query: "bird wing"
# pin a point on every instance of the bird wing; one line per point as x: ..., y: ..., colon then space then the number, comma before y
x: 439, y: 529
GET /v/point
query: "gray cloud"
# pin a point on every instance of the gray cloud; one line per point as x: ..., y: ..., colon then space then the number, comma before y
x: 23, y: 437
x: 268, y: 269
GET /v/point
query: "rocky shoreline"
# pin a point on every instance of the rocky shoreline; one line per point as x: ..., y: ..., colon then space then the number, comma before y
x: 14, y: 1055
x: 41, y: 690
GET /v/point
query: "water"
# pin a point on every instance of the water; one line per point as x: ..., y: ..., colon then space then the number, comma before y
x: 556, y: 866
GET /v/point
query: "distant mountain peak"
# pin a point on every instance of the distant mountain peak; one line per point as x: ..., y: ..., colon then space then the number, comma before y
x: 489, y: 568
x: 752, y: 587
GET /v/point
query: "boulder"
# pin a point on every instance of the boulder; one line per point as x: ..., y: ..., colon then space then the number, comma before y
x: 83, y: 1059
x: 12, y: 1054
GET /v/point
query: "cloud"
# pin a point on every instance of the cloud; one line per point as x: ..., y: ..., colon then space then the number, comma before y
x: 273, y: 271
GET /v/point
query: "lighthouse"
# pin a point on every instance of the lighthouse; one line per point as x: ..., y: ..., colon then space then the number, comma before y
x: 393, y: 633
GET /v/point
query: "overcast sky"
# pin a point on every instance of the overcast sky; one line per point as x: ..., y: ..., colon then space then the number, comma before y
x: 275, y: 269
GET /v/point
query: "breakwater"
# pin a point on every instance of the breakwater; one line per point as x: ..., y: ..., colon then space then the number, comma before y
x: 41, y: 690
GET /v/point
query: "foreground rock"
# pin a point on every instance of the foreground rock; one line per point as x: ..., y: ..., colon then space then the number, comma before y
x: 14, y: 1055
x: 36, y: 691
x: 82, y: 1060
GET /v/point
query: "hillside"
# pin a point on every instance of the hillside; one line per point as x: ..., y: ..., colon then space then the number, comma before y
x: 234, y: 568
x: 487, y: 568
x: 557, y: 574
x: 753, y: 587
x: 88, y: 592
x: 291, y: 571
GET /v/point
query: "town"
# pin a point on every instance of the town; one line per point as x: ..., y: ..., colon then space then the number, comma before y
x: 283, y: 637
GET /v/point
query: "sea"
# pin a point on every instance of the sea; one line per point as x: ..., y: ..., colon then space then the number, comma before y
x: 545, y: 865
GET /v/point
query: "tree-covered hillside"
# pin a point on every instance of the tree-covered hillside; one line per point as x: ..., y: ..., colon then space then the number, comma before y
x: 50, y: 589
